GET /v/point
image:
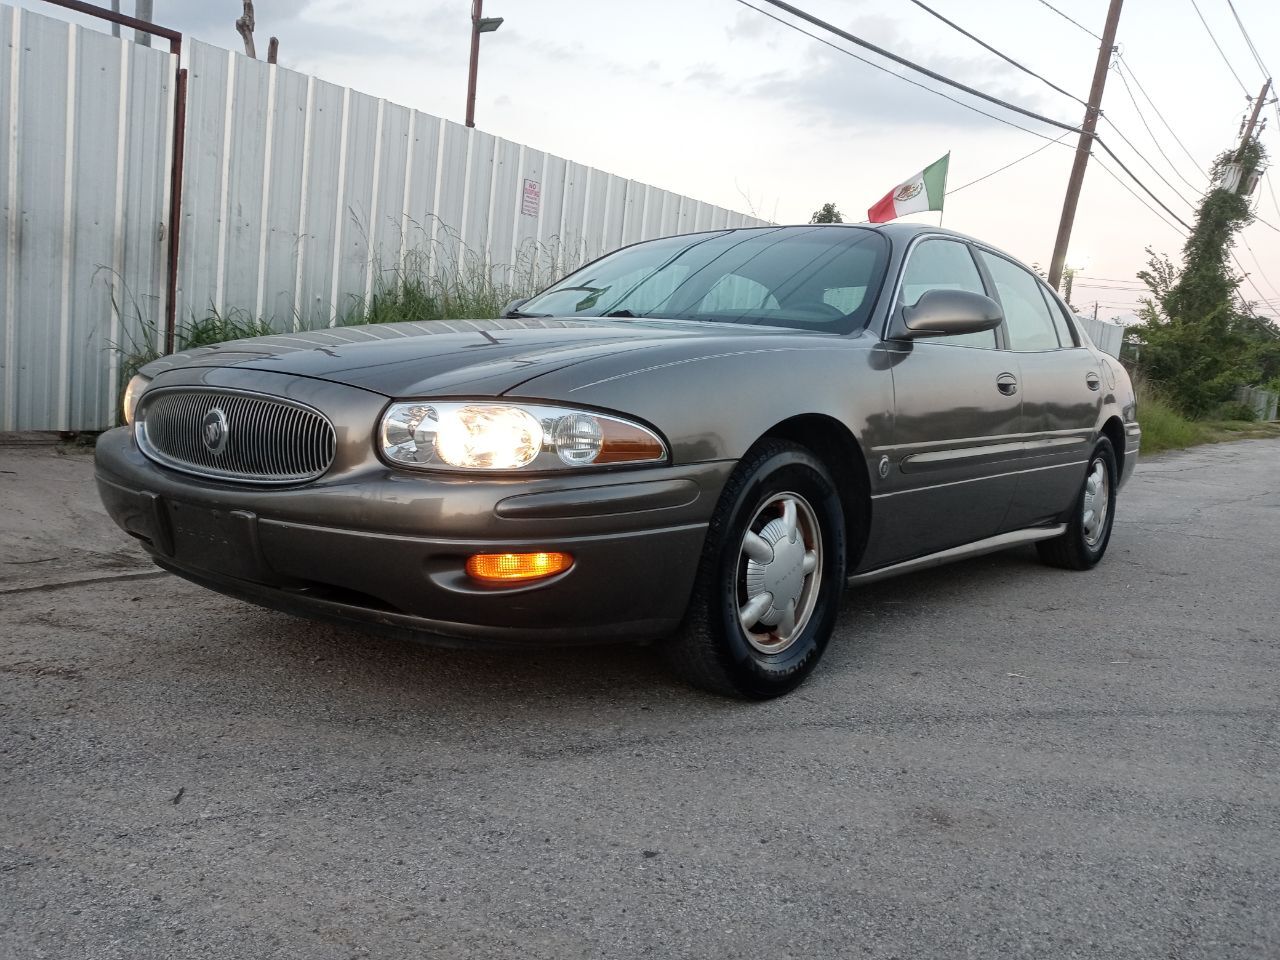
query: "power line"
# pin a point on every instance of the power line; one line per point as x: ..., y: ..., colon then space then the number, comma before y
x: 1102, y: 286
x: 1151, y: 134
x: 1245, y: 273
x: 1219, y: 48
x: 1122, y: 63
x: 1088, y: 276
x: 1069, y: 20
x: 1261, y: 272
x: 1249, y: 40
x: 1120, y: 163
x: 1271, y: 190
x: 883, y: 69
x: 909, y: 64
x: 831, y: 28
x: 1003, y: 56
x: 1269, y: 226
x: 1025, y: 156
x: 1141, y: 157
x: 1117, y: 179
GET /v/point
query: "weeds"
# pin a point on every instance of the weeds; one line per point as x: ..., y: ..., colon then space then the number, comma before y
x: 1165, y: 428
x: 219, y: 327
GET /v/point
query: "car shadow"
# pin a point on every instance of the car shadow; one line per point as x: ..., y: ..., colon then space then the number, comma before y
x: 353, y: 661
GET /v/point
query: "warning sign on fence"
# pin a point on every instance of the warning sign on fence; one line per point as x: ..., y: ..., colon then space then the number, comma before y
x: 532, y: 197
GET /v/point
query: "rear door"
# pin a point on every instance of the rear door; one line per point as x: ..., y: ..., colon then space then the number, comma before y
x: 1061, y: 395
x: 951, y: 467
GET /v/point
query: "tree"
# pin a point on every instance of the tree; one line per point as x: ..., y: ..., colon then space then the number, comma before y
x: 1195, y: 339
x: 828, y: 214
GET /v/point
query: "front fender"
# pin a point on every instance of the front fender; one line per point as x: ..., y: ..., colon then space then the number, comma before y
x: 716, y: 406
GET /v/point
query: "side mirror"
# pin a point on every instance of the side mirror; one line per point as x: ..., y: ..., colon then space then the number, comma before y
x: 513, y: 306
x: 941, y: 313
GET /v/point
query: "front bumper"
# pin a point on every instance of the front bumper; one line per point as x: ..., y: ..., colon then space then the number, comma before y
x: 385, y: 547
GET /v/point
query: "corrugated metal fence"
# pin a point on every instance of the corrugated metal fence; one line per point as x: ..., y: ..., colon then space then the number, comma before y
x: 1263, y: 403
x: 1107, y: 337
x: 296, y: 193
x: 85, y: 124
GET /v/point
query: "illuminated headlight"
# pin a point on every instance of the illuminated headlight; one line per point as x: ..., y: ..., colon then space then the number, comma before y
x: 499, y: 436
x: 132, y: 391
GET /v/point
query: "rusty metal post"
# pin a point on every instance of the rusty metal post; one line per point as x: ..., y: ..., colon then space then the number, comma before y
x: 477, y: 10
x: 175, y: 208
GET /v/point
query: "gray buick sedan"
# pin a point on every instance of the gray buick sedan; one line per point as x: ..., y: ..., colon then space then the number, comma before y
x: 699, y: 441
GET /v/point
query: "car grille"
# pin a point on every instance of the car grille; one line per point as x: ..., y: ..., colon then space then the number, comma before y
x: 229, y: 435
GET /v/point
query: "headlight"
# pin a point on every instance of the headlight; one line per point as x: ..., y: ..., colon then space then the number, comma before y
x: 499, y: 436
x: 132, y: 391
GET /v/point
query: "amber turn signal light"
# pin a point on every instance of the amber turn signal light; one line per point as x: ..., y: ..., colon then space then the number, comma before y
x: 513, y: 567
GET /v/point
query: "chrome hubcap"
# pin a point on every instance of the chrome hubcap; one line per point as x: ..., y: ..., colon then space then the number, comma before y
x: 779, y: 570
x: 1097, y: 503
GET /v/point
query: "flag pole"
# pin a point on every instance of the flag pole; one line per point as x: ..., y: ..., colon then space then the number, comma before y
x: 945, y: 175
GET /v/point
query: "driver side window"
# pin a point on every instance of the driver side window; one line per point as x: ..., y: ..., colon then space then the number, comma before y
x: 940, y: 264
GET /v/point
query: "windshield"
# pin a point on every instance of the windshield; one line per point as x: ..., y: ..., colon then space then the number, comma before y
x: 805, y: 278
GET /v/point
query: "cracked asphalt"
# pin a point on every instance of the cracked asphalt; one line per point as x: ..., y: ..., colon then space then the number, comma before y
x: 995, y: 759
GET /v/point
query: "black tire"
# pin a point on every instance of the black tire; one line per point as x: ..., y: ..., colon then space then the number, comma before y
x: 1074, y: 549
x: 712, y: 650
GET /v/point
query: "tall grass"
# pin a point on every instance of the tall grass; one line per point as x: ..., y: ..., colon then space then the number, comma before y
x: 1163, y: 426
x: 439, y: 278
x: 443, y: 280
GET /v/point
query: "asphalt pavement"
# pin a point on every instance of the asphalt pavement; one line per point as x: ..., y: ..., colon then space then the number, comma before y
x: 996, y: 759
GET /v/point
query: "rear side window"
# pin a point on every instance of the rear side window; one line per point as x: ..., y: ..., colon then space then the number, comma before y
x: 944, y: 265
x: 1027, y: 318
x: 1060, y: 321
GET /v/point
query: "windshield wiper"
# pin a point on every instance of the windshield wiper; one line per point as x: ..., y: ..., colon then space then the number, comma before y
x: 517, y: 315
x: 624, y: 312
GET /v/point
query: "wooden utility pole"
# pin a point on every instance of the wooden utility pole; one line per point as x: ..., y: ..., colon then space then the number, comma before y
x: 244, y: 27
x: 1092, y: 112
x: 1253, y: 122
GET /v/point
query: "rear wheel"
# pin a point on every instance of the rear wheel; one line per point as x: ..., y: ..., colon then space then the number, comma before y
x: 1089, y: 531
x: 770, y: 579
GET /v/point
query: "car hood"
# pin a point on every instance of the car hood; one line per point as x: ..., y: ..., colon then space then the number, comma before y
x: 459, y: 357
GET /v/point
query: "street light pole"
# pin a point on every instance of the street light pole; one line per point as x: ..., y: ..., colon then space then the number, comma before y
x: 479, y: 24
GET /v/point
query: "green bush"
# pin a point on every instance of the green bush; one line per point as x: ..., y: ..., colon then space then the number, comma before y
x: 1234, y: 410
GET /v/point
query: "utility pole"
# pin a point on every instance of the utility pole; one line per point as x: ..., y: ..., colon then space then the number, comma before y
x: 1253, y: 122
x: 1091, y: 114
x: 479, y: 24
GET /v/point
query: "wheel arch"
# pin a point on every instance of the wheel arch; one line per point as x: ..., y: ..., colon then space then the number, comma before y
x: 835, y: 445
x: 1113, y: 430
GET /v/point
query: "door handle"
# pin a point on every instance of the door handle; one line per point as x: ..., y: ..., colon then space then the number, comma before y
x: 1007, y: 384
x: 1091, y: 379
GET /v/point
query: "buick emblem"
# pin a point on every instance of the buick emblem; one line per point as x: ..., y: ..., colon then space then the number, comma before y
x: 215, y: 431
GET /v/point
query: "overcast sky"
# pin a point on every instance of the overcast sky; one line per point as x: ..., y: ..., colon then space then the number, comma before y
x: 714, y: 100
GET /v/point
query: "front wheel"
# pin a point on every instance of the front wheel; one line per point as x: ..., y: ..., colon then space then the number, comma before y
x: 769, y: 583
x: 1089, y: 531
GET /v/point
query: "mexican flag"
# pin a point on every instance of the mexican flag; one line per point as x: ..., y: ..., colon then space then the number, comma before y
x: 922, y: 192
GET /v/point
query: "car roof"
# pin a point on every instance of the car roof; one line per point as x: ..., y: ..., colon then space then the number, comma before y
x: 902, y: 232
